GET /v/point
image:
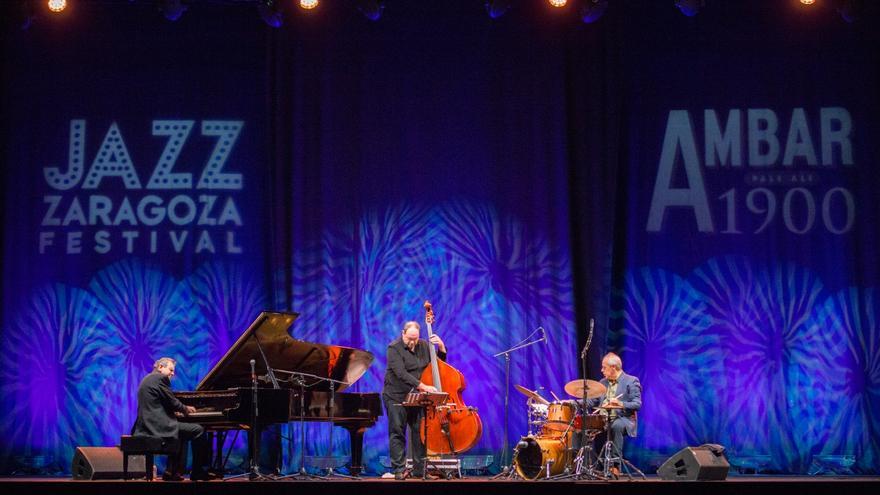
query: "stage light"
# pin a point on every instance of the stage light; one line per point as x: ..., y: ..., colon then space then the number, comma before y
x: 172, y: 9
x: 497, y: 8
x: 690, y: 8
x: 808, y: 2
x: 557, y: 3
x: 270, y: 12
x: 592, y: 10
x: 308, y: 4
x: 371, y: 9
x: 56, y: 5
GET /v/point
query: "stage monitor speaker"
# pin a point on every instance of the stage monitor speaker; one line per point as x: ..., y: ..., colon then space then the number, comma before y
x: 104, y: 463
x: 706, y: 462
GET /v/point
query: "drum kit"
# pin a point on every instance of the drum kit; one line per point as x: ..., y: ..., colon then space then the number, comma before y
x: 561, y: 444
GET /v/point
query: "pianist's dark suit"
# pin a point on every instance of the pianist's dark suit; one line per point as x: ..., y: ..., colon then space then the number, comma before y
x: 402, y: 376
x: 156, y: 408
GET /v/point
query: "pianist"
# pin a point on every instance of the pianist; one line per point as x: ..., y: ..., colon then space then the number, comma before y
x: 407, y: 357
x: 157, y: 410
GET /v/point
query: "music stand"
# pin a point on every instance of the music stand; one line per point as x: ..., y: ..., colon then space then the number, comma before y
x: 425, y: 401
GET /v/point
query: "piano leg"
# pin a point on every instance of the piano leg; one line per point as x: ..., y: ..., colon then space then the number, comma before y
x: 216, y: 441
x: 356, y: 432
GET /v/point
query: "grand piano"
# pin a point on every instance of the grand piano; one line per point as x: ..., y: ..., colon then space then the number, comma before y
x: 297, y: 380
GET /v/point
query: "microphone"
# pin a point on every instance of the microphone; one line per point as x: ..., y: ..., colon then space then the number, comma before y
x: 253, y: 370
x: 589, y: 340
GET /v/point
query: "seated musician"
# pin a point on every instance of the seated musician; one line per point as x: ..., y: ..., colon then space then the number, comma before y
x: 157, y: 410
x: 408, y: 356
x: 621, y: 390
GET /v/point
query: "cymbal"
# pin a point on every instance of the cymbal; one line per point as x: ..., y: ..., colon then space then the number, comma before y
x: 531, y: 394
x: 575, y: 388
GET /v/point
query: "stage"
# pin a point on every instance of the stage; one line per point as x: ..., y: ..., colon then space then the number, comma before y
x: 656, y: 219
x: 801, y: 485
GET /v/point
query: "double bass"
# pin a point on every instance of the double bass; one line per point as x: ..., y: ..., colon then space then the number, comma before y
x: 452, y: 427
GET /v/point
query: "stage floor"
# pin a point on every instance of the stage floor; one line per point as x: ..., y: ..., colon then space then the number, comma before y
x: 794, y: 485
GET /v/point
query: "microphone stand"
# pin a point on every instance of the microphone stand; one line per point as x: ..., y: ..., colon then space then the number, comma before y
x: 587, y: 446
x: 253, y: 473
x: 506, y: 469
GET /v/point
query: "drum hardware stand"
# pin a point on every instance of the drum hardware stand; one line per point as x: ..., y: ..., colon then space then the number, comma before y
x: 547, y: 468
x: 582, y: 470
x: 611, y: 455
x: 509, y: 473
x: 531, y: 417
x: 506, y: 469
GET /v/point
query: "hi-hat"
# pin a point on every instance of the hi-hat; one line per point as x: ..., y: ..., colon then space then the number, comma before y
x: 531, y: 394
x: 575, y: 388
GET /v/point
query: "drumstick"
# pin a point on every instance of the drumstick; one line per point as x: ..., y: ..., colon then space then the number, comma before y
x: 554, y: 395
x: 613, y: 398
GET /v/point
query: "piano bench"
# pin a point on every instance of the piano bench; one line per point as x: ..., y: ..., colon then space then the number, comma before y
x: 147, y: 447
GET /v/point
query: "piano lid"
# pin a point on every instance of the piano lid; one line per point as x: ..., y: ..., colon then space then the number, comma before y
x: 284, y: 352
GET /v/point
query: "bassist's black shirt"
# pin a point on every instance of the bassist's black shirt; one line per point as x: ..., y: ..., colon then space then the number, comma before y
x: 405, y: 367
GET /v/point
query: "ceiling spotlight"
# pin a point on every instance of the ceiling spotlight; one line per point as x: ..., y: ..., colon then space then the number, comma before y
x: 172, y: 9
x: 308, y: 4
x: 808, y: 2
x: 690, y: 8
x: 592, y: 10
x: 56, y: 5
x: 557, y: 3
x: 270, y: 12
x: 371, y: 9
x: 497, y: 8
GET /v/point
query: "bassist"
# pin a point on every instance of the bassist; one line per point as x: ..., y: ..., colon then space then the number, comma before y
x: 407, y: 358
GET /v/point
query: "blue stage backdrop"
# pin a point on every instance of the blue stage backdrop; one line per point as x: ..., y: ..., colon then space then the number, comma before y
x: 702, y: 187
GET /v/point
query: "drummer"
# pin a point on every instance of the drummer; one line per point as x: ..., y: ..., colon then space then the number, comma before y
x: 622, y: 391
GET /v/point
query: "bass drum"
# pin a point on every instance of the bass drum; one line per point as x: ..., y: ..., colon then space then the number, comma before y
x: 535, y: 452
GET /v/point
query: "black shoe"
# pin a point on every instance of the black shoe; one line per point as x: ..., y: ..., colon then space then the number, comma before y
x: 400, y: 476
x: 204, y: 476
x: 171, y: 477
x: 428, y: 476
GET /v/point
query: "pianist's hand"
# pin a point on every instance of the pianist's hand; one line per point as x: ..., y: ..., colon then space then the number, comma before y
x: 190, y: 410
x: 426, y: 388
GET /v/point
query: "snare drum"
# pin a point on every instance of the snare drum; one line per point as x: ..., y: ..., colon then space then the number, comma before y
x: 595, y: 421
